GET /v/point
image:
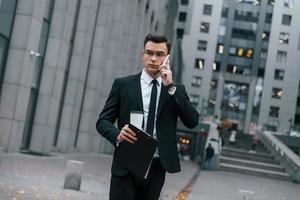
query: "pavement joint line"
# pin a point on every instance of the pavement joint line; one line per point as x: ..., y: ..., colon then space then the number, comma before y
x: 183, y: 194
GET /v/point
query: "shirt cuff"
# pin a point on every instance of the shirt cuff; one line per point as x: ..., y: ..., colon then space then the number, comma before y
x: 172, y: 91
x: 117, y: 143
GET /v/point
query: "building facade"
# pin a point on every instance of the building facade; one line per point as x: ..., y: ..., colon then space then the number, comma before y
x: 240, y: 62
x: 58, y: 59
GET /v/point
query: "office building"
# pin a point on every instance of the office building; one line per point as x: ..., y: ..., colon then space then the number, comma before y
x: 241, y: 62
x: 58, y: 59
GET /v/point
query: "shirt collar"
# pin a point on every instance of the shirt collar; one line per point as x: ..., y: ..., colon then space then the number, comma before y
x: 147, y: 78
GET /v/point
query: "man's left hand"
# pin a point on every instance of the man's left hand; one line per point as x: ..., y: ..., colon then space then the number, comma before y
x: 165, y: 71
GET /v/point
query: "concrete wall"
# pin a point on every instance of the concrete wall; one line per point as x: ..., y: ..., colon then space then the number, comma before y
x: 90, y: 42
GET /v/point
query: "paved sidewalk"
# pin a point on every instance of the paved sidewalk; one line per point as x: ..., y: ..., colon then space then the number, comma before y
x: 219, y: 185
x: 28, y: 177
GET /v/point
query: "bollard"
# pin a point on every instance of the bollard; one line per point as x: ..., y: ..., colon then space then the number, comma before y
x: 73, y: 175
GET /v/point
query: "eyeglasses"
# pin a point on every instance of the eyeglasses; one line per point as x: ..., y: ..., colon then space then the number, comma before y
x: 158, y: 54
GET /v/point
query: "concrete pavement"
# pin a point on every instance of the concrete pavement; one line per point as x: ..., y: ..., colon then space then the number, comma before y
x: 220, y: 185
x: 29, y: 177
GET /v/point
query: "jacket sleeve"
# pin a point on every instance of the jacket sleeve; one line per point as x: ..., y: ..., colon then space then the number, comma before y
x: 105, y: 123
x: 186, y: 112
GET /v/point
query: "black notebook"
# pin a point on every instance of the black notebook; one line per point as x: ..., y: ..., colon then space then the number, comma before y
x: 137, y: 157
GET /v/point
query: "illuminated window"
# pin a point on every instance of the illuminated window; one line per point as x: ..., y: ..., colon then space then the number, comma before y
x: 284, y: 38
x: 276, y: 93
x: 265, y: 36
x: 199, y: 63
x: 240, y: 51
x: 249, y: 53
x: 220, y: 48
x: 204, y: 28
x: 216, y: 66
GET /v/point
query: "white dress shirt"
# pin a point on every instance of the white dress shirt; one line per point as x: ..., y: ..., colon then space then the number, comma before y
x: 146, y: 87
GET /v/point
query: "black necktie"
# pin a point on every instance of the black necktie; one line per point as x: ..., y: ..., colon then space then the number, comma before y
x: 152, y: 108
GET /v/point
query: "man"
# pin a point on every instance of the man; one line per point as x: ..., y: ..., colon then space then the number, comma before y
x: 210, y: 152
x: 138, y: 93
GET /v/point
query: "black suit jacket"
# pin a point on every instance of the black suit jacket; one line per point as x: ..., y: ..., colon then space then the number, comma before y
x: 125, y: 97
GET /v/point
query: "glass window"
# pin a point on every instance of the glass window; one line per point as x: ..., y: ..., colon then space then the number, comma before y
x: 249, y: 53
x: 220, y: 48
x: 207, y: 9
x: 204, y: 28
x: 216, y: 66
x: 241, y: 15
x: 281, y: 56
x: 271, y: 2
x: 274, y: 111
x: 232, y: 50
x: 194, y: 99
x: 279, y: 74
x: 182, y: 16
x: 265, y: 36
x: 240, y: 51
x: 196, y: 82
x: 289, y: 3
x: 261, y: 72
x: 222, y: 30
x: 268, y: 18
x: 202, y: 45
x: 243, y: 34
x: 284, y: 38
x: 199, y: 63
x: 184, y: 2
x: 263, y: 54
x: 286, y: 19
x: 224, y: 12
x: 276, y: 93
x: 234, y: 101
x: 180, y: 33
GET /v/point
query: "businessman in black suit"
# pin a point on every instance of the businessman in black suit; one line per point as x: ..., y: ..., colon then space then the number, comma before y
x: 161, y: 101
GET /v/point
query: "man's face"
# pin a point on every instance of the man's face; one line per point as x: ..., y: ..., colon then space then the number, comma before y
x: 153, y: 57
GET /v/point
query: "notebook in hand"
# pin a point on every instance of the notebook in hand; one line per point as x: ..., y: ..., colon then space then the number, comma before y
x: 137, y: 157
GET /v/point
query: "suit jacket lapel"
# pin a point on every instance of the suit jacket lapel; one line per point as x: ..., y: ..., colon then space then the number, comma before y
x: 138, y: 92
x: 162, y: 99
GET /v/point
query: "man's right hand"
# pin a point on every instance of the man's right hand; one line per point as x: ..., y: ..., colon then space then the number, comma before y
x: 126, y: 134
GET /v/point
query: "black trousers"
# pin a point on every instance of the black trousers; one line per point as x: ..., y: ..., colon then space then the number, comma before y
x: 129, y: 187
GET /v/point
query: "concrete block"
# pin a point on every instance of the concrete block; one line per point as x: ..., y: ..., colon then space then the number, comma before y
x: 73, y: 175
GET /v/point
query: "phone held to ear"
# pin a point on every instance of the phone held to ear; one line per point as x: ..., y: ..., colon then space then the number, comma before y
x: 165, y: 65
x: 167, y: 60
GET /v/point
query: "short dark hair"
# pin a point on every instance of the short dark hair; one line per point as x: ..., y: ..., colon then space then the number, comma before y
x: 157, y: 38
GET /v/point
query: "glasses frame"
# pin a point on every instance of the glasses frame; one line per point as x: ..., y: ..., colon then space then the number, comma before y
x: 157, y: 54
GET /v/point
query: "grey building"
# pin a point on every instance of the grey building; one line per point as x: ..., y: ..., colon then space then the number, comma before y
x: 58, y: 59
x: 241, y: 61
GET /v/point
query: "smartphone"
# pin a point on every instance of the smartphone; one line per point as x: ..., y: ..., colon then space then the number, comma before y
x: 167, y: 60
x: 166, y: 63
